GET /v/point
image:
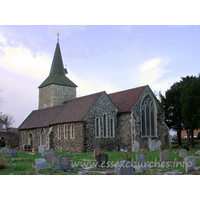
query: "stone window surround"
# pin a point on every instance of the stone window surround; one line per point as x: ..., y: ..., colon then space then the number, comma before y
x: 30, y: 138
x: 72, y: 131
x: 59, y: 132
x: 113, y: 127
x: 23, y: 138
x: 43, y: 133
x: 65, y: 131
x: 155, y: 116
x: 63, y: 90
x: 105, y: 114
x: 98, y: 128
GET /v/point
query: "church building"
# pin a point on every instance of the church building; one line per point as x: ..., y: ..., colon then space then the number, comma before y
x: 67, y: 123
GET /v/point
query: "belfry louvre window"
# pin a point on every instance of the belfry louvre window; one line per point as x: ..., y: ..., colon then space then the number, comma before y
x: 148, y: 117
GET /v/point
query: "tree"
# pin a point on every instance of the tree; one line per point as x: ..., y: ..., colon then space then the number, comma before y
x: 190, y: 101
x: 9, y: 119
x: 172, y: 106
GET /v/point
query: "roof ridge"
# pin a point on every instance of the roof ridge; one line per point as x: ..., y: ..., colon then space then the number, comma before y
x: 129, y: 89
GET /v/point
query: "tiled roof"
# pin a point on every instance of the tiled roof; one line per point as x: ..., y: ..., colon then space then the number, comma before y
x: 125, y: 100
x: 76, y: 109
x: 71, y: 111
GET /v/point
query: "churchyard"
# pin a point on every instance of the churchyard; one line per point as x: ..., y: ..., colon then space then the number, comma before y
x: 171, y: 162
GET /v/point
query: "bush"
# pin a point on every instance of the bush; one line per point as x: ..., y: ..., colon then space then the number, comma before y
x: 2, y: 143
x: 2, y: 165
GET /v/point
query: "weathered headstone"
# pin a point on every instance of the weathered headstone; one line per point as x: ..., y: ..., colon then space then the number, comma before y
x: 49, y: 157
x: 183, y: 153
x: 164, y: 156
x: 4, y: 151
x: 124, y: 168
x: 158, y: 145
x: 136, y: 147
x: 47, y: 151
x: 41, y: 148
x: 40, y: 160
x: 190, y: 163
x: 102, y: 160
x: 153, y: 145
x: 42, y: 166
x: 13, y: 153
x: 64, y: 163
x: 96, y: 152
x: 140, y: 158
x: 81, y: 173
x: 55, y: 161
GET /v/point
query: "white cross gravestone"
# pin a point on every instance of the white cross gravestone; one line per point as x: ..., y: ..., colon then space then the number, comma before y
x: 158, y: 145
x: 136, y: 147
x: 153, y: 146
x: 183, y: 153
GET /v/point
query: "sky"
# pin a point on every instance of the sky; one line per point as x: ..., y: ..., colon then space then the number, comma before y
x: 98, y: 58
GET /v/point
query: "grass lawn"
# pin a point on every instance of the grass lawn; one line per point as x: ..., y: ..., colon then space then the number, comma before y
x: 25, y: 161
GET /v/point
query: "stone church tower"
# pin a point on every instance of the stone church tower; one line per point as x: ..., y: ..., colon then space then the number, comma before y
x: 57, y: 88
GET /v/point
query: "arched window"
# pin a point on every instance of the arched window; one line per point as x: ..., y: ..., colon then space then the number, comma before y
x: 148, y: 117
x: 97, y: 127
x: 104, y: 125
x: 112, y: 128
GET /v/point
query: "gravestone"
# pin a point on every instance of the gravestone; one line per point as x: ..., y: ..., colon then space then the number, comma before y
x: 158, y: 145
x: 102, y: 160
x: 41, y: 148
x: 190, y: 163
x: 153, y: 145
x: 140, y: 158
x: 13, y: 153
x: 42, y: 166
x: 64, y: 163
x: 27, y: 147
x: 81, y: 173
x: 40, y: 160
x: 47, y: 151
x: 96, y: 152
x: 124, y: 168
x: 183, y: 153
x: 4, y: 151
x: 136, y: 147
x: 49, y: 157
x: 164, y: 156
x: 55, y: 161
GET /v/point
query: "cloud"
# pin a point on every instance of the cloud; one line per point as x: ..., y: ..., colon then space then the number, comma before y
x: 20, y: 60
x: 90, y: 85
x: 65, y: 31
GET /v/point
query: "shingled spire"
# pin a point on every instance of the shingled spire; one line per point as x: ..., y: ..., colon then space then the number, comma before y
x: 57, y: 72
x: 57, y: 88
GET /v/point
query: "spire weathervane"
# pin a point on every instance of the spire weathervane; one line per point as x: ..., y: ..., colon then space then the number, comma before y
x: 58, y: 35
